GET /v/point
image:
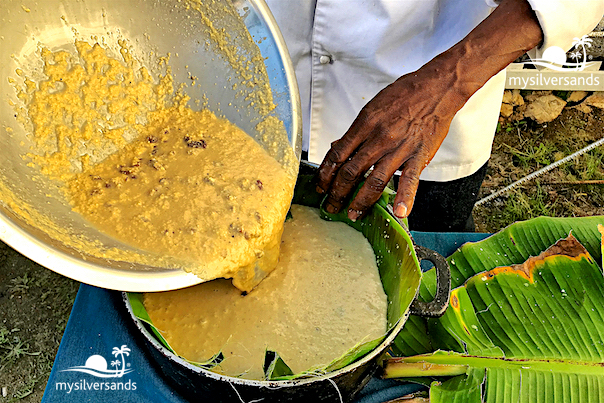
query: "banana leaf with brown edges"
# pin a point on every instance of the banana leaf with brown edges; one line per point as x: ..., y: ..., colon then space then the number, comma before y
x: 512, y: 245
x: 518, y: 329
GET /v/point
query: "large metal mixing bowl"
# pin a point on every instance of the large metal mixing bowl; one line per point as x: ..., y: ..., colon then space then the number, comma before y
x: 160, y: 26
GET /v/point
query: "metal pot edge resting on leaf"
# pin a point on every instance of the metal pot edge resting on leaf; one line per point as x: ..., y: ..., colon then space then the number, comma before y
x: 401, y: 277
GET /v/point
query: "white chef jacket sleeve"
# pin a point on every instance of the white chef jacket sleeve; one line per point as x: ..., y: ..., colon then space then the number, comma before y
x: 563, y: 20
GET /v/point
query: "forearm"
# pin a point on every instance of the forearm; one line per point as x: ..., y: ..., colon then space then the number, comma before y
x: 511, y: 30
x: 403, y: 126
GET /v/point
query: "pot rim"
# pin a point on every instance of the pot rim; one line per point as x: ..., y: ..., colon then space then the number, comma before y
x: 390, y: 336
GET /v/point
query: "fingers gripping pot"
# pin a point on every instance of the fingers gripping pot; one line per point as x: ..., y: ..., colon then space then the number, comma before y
x: 398, y: 262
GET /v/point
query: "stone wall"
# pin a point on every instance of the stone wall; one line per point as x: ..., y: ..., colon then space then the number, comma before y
x: 545, y: 106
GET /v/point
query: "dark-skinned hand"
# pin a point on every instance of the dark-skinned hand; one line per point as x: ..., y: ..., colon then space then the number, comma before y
x: 402, y: 127
x: 404, y: 124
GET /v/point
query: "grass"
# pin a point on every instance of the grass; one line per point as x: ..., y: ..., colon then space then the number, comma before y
x: 12, y: 350
x: 20, y: 284
x: 26, y: 390
x: 12, y: 347
x: 521, y: 148
x: 540, y: 154
x: 35, y: 305
x: 520, y: 206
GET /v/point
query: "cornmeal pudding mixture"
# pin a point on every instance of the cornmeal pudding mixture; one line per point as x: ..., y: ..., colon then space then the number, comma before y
x: 143, y: 167
x: 188, y: 188
x: 324, y: 298
x: 183, y: 188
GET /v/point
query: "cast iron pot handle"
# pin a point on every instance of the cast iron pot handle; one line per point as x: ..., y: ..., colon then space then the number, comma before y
x: 439, y: 304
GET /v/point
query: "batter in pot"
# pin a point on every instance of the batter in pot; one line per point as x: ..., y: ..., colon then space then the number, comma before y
x: 324, y: 297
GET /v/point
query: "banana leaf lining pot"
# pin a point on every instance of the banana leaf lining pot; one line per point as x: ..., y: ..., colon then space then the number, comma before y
x: 401, y: 276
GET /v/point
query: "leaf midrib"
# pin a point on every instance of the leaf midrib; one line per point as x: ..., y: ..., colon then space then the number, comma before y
x: 548, y: 365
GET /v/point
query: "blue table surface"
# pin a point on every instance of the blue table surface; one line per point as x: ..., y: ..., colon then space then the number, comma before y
x: 98, y: 325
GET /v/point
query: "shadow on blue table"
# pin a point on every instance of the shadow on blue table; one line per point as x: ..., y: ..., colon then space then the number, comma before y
x: 100, y: 359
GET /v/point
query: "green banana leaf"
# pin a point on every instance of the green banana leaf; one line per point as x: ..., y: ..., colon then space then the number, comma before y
x: 397, y: 263
x: 512, y: 245
x: 532, y: 332
x: 274, y: 366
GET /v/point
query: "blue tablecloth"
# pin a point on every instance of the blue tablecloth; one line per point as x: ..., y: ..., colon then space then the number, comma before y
x: 98, y: 329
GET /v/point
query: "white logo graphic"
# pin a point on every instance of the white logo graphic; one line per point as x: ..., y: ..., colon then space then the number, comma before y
x: 96, y: 365
x: 554, y: 57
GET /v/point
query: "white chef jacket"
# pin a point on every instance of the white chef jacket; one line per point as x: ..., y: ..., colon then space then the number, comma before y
x: 345, y: 51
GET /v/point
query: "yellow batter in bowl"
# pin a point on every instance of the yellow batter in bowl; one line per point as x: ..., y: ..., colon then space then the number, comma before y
x: 183, y: 185
x: 196, y: 188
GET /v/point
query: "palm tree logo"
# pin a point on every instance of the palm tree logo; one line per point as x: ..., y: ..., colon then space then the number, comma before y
x: 96, y: 365
x: 583, y: 43
x: 575, y: 55
x: 122, y: 351
x: 555, y: 58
